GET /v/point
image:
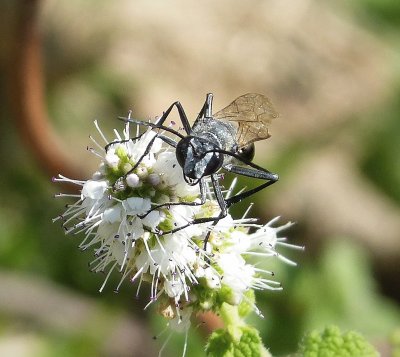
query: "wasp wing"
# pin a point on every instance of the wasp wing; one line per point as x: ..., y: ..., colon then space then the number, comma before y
x: 251, y: 114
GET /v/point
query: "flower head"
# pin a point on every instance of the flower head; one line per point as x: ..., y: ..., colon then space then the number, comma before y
x: 138, y: 195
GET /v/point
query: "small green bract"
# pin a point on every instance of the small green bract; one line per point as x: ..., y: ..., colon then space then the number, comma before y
x: 222, y: 344
x: 332, y: 343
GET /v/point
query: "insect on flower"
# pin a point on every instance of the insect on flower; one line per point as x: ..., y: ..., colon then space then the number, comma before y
x: 123, y: 211
x: 221, y: 140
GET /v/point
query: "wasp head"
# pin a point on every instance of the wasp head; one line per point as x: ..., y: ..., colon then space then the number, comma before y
x: 198, y: 158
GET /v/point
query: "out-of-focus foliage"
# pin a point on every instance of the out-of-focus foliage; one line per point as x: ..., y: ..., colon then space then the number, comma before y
x: 331, y: 342
x: 380, y: 15
x: 395, y: 342
x: 336, y: 281
x: 336, y: 286
x: 381, y: 162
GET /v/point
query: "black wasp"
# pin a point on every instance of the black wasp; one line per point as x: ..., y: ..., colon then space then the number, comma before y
x: 221, y: 140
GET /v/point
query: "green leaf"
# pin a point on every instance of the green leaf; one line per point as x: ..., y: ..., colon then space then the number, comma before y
x: 247, y: 304
x: 225, y: 343
x: 331, y: 342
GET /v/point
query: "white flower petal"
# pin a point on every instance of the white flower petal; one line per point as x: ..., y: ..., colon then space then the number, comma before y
x: 237, y: 274
x: 94, y: 189
x: 174, y: 288
x: 112, y: 159
x: 264, y: 237
x: 113, y: 214
x: 157, y: 145
x: 107, y: 230
x: 118, y: 251
x: 182, y: 323
x: 167, y: 163
x: 213, y: 279
x: 136, y: 205
x: 153, y: 219
x: 136, y: 229
x: 142, y: 261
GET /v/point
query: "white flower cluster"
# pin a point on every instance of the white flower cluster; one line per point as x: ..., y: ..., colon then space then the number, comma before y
x: 131, y: 203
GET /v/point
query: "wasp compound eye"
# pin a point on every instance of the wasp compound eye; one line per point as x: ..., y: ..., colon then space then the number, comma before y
x: 183, y: 150
x: 213, y: 163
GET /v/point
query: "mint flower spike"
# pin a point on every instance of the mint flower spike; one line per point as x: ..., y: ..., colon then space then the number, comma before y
x: 112, y: 220
x: 121, y: 213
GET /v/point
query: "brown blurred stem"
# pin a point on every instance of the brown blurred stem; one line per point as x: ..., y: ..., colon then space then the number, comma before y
x: 209, y: 322
x: 28, y: 103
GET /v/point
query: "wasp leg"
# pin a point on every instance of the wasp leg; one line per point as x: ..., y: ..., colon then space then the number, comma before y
x: 167, y: 204
x: 253, y: 171
x: 258, y: 173
x: 148, y: 148
x: 221, y: 202
x: 206, y: 110
x: 152, y: 125
x: 160, y: 123
x: 182, y: 116
x: 121, y: 141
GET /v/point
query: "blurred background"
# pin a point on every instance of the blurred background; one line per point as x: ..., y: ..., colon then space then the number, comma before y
x: 332, y: 70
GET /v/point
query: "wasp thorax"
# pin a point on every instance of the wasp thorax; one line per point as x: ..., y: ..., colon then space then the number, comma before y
x: 198, y: 157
